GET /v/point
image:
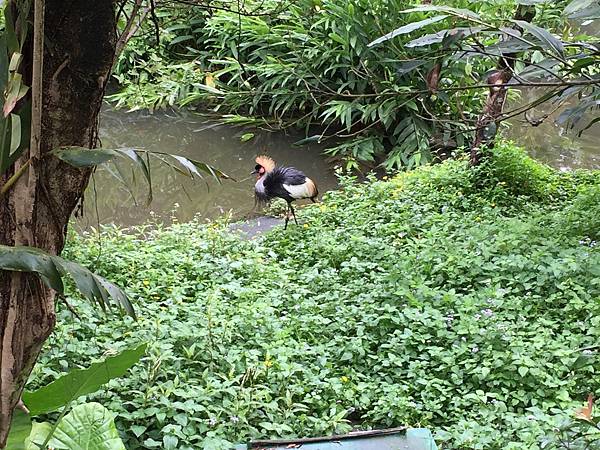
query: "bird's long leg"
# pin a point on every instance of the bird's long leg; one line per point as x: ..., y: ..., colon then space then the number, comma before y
x: 293, y: 212
x: 287, y: 217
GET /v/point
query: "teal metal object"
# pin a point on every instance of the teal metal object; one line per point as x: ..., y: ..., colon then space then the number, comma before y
x: 391, y: 439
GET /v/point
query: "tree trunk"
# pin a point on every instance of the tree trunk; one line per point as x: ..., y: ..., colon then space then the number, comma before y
x: 487, y: 122
x: 80, y: 38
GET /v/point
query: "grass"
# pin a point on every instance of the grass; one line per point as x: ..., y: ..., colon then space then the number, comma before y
x: 450, y: 298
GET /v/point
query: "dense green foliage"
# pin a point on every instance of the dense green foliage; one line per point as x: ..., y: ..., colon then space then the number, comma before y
x: 308, y: 64
x: 454, y: 299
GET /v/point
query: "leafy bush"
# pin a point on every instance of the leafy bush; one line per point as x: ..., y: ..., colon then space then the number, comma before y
x: 412, y: 300
x: 310, y: 65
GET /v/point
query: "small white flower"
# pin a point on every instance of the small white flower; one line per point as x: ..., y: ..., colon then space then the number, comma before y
x: 487, y: 312
x: 212, y: 421
x: 475, y: 349
x: 477, y: 316
x: 587, y: 352
x: 234, y: 419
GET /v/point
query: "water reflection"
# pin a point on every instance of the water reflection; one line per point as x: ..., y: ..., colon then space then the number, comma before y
x: 551, y: 143
x: 174, y: 195
x: 193, y: 136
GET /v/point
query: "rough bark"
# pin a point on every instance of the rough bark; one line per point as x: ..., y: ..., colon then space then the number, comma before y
x: 487, y: 122
x: 78, y: 54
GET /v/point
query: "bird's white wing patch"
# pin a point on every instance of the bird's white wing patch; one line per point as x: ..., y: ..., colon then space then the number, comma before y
x: 298, y: 191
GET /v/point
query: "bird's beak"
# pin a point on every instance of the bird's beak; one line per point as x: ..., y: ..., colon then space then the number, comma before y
x: 254, y: 172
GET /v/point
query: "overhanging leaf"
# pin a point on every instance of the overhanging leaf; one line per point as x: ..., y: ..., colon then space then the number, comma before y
x: 52, y: 269
x: 308, y: 140
x: 80, y: 382
x: 438, y: 37
x: 407, y: 29
x: 83, y: 157
x: 29, y: 259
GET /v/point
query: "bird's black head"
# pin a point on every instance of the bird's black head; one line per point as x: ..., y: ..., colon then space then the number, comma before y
x: 258, y: 171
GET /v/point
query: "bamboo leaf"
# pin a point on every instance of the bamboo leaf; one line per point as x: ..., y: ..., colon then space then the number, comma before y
x: 29, y: 259
x: 82, y: 157
x: 592, y: 122
x: 409, y: 66
x: 544, y: 36
x: 407, y: 29
x: 438, y: 37
x: 458, y: 12
x: 78, y: 382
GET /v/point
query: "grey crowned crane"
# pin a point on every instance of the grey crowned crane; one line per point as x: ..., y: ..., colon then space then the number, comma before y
x: 287, y: 183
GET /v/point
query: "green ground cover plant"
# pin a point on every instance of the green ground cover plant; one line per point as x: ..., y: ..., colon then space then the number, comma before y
x: 463, y: 300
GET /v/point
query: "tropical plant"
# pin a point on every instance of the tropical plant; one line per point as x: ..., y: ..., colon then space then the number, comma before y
x: 404, y: 98
x: 89, y: 425
x: 38, y: 189
x: 461, y: 299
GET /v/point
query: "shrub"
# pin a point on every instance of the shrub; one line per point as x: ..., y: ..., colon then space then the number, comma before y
x: 410, y: 301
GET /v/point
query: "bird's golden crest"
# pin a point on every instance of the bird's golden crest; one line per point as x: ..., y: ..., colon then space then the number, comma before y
x: 266, y: 162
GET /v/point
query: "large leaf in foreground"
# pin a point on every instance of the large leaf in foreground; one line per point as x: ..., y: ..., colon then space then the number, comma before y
x: 52, y: 269
x: 80, y: 382
x: 87, y: 427
x: 20, y: 428
x: 85, y: 157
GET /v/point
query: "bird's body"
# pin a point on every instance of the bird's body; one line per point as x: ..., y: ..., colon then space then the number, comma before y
x: 287, y: 183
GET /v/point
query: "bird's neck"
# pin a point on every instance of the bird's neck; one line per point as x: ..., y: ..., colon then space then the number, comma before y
x: 259, y: 186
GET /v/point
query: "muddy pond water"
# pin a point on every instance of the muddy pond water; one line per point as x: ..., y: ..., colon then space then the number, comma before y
x: 175, y: 196
x: 178, y: 198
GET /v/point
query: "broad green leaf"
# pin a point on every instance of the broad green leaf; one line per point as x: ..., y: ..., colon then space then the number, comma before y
x: 87, y: 427
x: 39, y: 433
x: 459, y: 12
x: 544, y: 36
x: 52, y: 269
x: 407, y: 29
x: 20, y: 428
x: 78, y: 382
